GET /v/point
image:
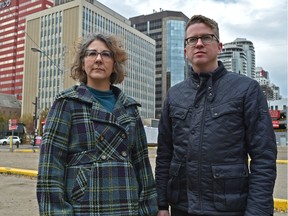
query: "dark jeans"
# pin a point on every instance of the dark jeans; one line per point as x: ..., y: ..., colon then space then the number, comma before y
x: 177, y: 212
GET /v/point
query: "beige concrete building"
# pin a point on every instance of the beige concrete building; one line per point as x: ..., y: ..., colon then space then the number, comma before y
x: 49, y: 48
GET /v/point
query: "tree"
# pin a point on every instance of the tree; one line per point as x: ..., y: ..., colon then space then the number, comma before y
x: 27, y: 119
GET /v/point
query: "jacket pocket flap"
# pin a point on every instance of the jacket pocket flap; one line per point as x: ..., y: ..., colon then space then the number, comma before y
x: 178, y: 112
x: 226, y: 108
x: 174, y: 169
x: 230, y: 171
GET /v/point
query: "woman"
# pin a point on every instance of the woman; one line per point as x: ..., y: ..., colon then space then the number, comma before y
x: 94, y: 157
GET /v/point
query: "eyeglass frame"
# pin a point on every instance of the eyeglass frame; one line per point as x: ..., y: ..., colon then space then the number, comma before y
x: 200, y: 37
x: 110, y: 55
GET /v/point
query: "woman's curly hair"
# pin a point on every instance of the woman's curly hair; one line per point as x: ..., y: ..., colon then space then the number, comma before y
x: 114, y: 45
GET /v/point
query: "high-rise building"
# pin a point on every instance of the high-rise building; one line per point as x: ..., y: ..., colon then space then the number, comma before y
x: 234, y: 58
x: 167, y: 28
x: 271, y: 91
x: 248, y: 49
x: 12, y: 38
x: 53, y: 34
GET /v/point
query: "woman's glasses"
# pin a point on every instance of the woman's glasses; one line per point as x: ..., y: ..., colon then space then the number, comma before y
x: 105, y: 54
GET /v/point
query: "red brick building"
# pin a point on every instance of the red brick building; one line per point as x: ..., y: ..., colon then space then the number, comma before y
x: 12, y: 41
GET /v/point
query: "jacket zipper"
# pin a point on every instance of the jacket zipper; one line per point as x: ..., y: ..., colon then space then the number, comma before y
x: 200, y: 152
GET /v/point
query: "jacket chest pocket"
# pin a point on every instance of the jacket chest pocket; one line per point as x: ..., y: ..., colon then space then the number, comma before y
x: 178, y: 116
x: 227, y: 116
x: 230, y: 185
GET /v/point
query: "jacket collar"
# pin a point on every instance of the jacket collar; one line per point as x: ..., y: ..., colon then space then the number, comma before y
x: 216, y: 74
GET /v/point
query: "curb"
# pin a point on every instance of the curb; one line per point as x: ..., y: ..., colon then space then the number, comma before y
x: 8, y: 170
x: 26, y: 150
x: 279, y: 204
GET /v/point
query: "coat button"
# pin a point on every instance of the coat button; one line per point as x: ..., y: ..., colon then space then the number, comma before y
x: 103, y: 157
x: 123, y: 135
x: 124, y: 153
x: 101, y: 138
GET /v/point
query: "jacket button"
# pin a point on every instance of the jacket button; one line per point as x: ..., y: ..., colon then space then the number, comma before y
x: 103, y: 157
x: 196, y: 105
x: 124, y: 153
x: 123, y: 135
x: 193, y: 131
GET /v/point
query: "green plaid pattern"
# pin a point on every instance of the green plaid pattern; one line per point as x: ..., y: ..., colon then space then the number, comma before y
x: 93, y: 162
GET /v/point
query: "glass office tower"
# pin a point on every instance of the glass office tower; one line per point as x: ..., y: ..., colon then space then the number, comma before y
x: 167, y: 28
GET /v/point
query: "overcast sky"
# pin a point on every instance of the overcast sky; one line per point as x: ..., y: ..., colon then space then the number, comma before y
x: 263, y: 22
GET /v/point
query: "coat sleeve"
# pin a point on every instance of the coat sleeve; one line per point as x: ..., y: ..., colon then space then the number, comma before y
x: 164, y: 156
x: 144, y: 174
x: 51, y: 170
x: 262, y: 149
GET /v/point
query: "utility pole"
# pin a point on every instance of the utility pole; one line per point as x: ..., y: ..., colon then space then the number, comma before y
x: 35, y: 120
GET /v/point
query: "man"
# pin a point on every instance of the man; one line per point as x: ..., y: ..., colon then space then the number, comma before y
x: 211, y: 125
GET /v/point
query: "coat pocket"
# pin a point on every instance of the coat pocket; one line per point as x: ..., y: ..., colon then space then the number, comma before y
x: 173, y: 187
x: 230, y: 185
x: 76, y: 182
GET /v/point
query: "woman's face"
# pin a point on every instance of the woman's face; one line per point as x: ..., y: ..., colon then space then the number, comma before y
x: 98, y: 65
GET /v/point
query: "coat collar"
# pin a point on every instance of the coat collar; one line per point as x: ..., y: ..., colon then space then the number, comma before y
x: 81, y: 93
x: 121, y: 113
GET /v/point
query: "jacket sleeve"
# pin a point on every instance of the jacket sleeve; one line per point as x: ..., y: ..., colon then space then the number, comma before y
x: 164, y: 156
x: 51, y: 171
x: 262, y: 149
x: 144, y: 174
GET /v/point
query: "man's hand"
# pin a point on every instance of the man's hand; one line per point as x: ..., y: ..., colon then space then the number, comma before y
x: 163, y: 213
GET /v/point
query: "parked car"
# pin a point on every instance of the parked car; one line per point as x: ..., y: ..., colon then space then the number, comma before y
x: 6, y: 140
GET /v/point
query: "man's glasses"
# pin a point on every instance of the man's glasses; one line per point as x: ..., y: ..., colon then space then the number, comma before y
x: 206, y: 39
x: 105, y: 54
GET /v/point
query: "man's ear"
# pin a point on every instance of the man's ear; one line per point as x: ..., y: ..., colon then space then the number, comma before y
x: 220, y: 46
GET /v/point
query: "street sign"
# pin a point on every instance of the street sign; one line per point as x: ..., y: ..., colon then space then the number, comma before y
x: 12, y: 124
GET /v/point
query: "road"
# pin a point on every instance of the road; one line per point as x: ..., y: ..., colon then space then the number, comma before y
x: 18, y: 194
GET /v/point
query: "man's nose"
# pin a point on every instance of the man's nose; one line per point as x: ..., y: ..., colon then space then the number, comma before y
x: 199, y: 42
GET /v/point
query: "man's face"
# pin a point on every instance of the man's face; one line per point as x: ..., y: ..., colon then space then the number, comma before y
x: 203, y: 53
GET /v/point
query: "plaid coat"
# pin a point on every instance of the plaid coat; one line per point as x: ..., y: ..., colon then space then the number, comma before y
x: 93, y: 162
